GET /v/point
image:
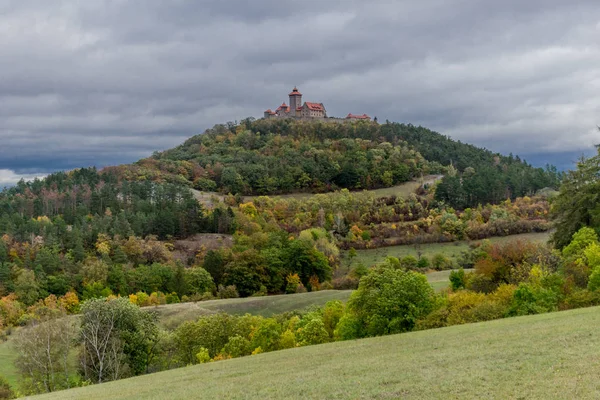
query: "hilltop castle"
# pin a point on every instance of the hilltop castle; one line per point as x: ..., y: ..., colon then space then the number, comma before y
x: 297, y: 109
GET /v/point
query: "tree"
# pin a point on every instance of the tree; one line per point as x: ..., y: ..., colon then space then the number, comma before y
x: 43, y: 351
x: 389, y: 301
x: 577, y: 204
x: 119, y: 339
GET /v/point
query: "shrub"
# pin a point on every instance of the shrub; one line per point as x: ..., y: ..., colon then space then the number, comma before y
x: 594, y: 280
x: 390, y: 301
x: 440, y: 262
x: 457, y: 279
x: 5, y: 390
x: 293, y: 281
x: 287, y: 340
x: 423, y: 263
x: 301, y: 288
x: 326, y: 285
x: 533, y: 299
x: 202, y: 356
x: 312, y: 332
x: 172, y: 298
x: 409, y: 262
x: 237, y: 346
x: 359, y: 271
x: 345, y: 283
x: 227, y: 292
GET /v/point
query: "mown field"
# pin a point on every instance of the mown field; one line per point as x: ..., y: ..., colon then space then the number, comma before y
x: 554, y: 355
x: 451, y: 250
x: 173, y: 315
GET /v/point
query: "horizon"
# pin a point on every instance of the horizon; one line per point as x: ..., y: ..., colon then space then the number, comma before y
x: 99, y: 84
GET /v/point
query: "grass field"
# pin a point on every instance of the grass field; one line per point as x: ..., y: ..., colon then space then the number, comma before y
x: 554, y: 355
x: 7, y: 359
x: 451, y: 250
x: 173, y: 315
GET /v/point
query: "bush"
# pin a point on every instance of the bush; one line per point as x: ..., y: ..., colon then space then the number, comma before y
x: 458, y: 279
x: 345, y: 283
x: 532, y: 299
x: 389, y: 301
x: 5, y: 390
x: 227, y: 292
x: 594, y: 281
x: 172, y: 298
x: 409, y: 262
x: 202, y: 356
x: 312, y: 332
x: 423, y: 263
x: 581, y: 298
x: 237, y: 346
x: 440, y: 262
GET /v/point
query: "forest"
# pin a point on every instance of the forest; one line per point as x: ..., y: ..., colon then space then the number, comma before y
x: 102, y: 244
x: 267, y: 157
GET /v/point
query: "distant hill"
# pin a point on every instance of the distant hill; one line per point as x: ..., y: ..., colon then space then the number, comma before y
x: 266, y: 157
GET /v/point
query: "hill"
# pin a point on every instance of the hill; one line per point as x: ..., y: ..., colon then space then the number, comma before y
x: 536, y: 357
x: 266, y: 157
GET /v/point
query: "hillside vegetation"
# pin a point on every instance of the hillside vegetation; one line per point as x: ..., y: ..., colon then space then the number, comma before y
x: 535, y: 357
x: 282, y: 156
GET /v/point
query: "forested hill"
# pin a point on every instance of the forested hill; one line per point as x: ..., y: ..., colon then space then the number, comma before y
x: 281, y: 156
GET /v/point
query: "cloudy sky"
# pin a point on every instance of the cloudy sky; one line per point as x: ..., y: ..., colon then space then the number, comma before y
x: 102, y: 82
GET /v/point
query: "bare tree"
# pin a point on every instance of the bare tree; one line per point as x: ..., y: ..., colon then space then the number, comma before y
x: 102, y: 355
x: 43, y: 352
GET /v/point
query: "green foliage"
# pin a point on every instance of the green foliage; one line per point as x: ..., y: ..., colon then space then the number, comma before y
x: 583, y: 238
x: 198, y: 280
x: 6, y: 393
x: 576, y: 205
x: 594, y: 281
x: 119, y: 339
x: 388, y: 301
x: 533, y: 299
x: 237, y: 346
x: 457, y: 279
x: 202, y: 356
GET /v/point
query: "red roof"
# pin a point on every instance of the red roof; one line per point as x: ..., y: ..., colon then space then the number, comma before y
x: 270, y: 112
x: 353, y: 116
x: 314, y: 106
x: 295, y: 92
x: 282, y: 106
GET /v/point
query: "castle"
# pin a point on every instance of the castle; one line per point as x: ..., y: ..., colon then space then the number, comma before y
x: 306, y: 110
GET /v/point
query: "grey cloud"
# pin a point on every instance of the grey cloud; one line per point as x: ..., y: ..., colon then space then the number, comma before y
x: 107, y: 82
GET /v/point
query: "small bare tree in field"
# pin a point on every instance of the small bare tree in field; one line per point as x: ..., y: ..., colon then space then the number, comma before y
x: 43, y: 351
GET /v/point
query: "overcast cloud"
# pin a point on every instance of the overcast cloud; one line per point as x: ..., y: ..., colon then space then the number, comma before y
x: 107, y: 82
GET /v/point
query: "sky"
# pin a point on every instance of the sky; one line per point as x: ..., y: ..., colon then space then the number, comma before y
x: 104, y: 82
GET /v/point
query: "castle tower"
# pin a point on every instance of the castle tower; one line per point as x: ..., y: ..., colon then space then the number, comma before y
x: 295, y: 101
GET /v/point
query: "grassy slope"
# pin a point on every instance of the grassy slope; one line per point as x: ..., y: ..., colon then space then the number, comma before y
x: 373, y: 256
x: 552, y: 355
x: 173, y: 315
x: 7, y: 359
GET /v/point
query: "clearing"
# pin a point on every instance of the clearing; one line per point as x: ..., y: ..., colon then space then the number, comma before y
x: 402, y: 190
x: 554, y: 355
x: 451, y: 249
x: 173, y: 315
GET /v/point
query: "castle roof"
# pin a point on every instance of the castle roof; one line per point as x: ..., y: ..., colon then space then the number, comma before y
x: 283, y: 106
x: 353, y: 116
x: 315, y: 106
x: 268, y: 111
x: 295, y: 92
